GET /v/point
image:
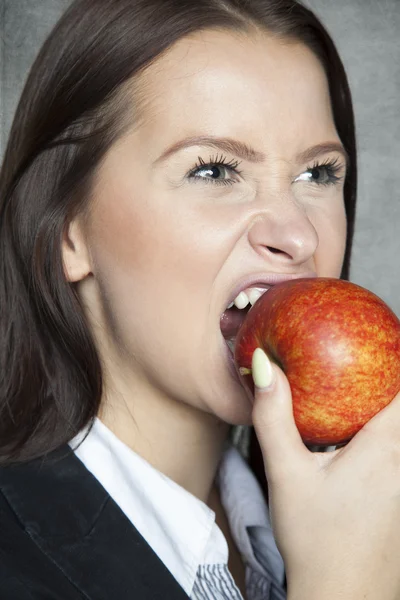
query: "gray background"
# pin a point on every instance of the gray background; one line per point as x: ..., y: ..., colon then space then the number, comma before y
x: 367, y: 33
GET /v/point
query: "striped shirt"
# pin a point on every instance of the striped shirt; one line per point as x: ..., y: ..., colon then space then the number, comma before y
x: 250, y: 526
x: 181, y: 529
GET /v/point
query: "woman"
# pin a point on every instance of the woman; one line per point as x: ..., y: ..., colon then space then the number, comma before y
x: 167, y: 159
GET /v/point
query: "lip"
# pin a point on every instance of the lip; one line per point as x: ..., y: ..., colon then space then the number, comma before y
x: 260, y: 280
x: 265, y: 280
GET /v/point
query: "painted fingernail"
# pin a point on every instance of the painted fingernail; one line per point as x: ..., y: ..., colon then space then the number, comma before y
x: 261, y: 369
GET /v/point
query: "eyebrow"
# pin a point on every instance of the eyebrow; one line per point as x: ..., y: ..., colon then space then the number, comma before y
x: 239, y: 149
x: 326, y: 148
x: 245, y: 152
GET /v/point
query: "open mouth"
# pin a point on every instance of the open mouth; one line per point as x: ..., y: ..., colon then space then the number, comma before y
x: 231, y: 321
x: 235, y: 313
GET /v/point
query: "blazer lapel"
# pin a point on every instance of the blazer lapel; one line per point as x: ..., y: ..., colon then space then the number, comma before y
x: 78, y: 526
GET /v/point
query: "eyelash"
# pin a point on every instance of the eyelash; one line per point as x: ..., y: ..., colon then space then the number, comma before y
x: 332, y: 166
x: 217, y: 161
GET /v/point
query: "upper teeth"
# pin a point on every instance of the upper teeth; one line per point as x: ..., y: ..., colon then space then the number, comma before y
x: 250, y: 296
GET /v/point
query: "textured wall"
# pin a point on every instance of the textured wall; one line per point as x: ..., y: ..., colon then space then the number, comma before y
x: 367, y: 33
x: 24, y: 24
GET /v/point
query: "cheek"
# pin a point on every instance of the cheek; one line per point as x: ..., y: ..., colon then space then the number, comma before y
x: 153, y: 264
x: 137, y: 257
x: 155, y: 271
x: 170, y: 244
x: 331, y: 227
x: 130, y: 236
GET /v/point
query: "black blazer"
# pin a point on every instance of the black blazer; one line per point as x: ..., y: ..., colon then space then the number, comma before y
x: 62, y: 537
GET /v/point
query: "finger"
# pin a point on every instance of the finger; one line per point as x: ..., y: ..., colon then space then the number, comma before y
x: 385, y: 425
x: 284, y: 453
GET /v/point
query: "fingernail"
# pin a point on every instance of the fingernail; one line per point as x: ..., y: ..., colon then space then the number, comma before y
x: 262, y: 369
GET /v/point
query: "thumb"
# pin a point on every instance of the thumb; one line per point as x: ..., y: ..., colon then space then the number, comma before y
x: 283, y: 450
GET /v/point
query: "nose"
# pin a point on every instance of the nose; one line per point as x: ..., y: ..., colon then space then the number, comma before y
x: 284, y: 234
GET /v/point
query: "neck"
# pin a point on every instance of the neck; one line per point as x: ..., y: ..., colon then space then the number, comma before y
x: 179, y: 440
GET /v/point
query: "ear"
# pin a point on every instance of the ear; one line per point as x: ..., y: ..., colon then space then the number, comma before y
x: 75, y: 252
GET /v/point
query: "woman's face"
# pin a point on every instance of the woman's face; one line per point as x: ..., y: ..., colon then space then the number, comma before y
x: 233, y: 175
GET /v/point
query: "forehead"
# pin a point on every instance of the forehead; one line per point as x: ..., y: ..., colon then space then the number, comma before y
x: 230, y: 83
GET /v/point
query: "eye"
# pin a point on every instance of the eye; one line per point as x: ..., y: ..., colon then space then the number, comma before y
x: 326, y: 173
x: 213, y: 172
x: 216, y: 171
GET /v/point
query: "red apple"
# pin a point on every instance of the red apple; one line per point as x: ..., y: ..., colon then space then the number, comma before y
x: 338, y: 344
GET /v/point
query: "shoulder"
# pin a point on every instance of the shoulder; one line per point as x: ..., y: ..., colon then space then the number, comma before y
x: 11, y: 586
x: 26, y: 570
x: 62, y: 536
x: 15, y: 553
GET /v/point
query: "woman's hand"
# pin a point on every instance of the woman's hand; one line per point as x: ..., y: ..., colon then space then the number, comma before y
x: 336, y: 515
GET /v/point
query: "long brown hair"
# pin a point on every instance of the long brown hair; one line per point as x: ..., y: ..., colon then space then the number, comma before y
x: 73, y: 108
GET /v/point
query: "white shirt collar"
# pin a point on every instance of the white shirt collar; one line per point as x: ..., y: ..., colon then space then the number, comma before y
x: 178, y: 526
x: 248, y: 516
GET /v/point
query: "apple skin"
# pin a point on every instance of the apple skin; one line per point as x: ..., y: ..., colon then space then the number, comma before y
x: 339, y: 346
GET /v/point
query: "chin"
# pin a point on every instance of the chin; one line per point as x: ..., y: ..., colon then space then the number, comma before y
x: 234, y: 405
x: 225, y: 396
